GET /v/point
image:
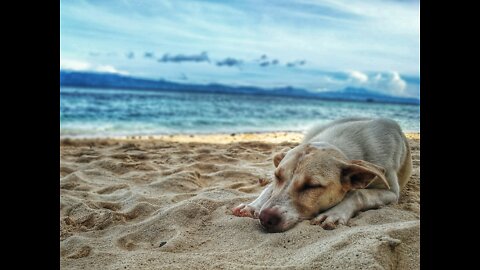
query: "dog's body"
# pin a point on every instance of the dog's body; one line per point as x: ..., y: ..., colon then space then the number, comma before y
x: 340, y: 168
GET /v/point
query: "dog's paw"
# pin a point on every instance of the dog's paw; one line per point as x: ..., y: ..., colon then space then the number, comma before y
x: 245, y: 210
x: 330, y: 221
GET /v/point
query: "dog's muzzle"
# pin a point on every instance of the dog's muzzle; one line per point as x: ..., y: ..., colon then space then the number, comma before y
x: 270, y: 219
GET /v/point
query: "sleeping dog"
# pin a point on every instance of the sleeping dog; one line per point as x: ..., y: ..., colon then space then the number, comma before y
x: 339, y: 169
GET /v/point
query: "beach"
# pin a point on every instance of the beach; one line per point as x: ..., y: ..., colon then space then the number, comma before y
x: 164, y: 202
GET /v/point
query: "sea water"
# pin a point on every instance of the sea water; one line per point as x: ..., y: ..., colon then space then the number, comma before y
x: 87, y: 112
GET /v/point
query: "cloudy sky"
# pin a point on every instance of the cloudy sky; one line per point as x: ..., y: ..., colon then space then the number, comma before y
x: 317, y: 45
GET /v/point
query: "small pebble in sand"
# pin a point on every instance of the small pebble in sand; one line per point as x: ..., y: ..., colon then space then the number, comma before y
x: 162, y: 244
x: 392, y: 242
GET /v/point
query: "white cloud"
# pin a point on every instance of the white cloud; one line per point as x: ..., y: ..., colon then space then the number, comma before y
x: 75, y: 65
x: 357, y: 76
x: 388, y: 83
x: 109, y: 69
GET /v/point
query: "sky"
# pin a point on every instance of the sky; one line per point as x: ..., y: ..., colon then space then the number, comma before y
x: 316, y: 45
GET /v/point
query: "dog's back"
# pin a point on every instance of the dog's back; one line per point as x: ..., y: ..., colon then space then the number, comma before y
x: 376, y: 140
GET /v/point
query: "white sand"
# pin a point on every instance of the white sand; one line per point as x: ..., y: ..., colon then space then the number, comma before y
x: 165, y: 203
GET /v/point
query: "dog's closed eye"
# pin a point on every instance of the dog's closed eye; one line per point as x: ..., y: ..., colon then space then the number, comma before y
x: 310, y: 186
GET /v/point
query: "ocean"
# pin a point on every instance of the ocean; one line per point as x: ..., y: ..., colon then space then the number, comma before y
x: 87, y: 112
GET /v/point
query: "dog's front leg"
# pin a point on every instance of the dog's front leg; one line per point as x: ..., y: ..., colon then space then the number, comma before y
x: 252, y: 209
x: 355, y: 201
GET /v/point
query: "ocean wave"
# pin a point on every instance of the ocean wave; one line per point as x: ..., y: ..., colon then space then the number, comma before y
x: 84, y: 112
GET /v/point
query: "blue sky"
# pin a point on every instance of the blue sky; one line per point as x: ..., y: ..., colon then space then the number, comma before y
x: 317, y: 45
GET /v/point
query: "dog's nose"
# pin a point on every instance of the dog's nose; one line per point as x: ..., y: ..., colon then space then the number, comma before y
x: 270, y: 218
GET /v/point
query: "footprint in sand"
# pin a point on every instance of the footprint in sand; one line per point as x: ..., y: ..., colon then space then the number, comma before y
x: 145, y: 239
x: 75, y: 181
x: 65, y: 170
x: 84, y: 251
x: 183, y: 181
x: 111, y: 189
x: 139, y: 210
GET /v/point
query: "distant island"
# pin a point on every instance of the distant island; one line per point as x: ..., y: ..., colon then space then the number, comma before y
x: 108, y: 80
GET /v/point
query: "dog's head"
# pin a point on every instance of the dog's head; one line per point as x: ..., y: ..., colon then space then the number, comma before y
x: 309, y: 179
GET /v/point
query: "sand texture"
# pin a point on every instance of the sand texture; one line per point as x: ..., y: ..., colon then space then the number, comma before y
x: 165, y: 203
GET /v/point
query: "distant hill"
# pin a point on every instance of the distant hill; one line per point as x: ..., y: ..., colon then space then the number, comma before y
x: 108, y: 80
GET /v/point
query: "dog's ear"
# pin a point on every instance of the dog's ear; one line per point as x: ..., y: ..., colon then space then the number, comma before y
x: 280, y: 155
x: 361, y: 173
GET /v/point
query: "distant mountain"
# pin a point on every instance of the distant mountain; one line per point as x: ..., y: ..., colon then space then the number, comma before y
x: 108, y: 80
x: 361, y: 94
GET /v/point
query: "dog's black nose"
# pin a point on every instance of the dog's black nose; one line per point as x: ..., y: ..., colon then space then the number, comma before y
x: 269, y: 218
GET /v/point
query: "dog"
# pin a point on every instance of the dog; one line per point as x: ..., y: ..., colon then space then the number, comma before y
x: 340, y: 168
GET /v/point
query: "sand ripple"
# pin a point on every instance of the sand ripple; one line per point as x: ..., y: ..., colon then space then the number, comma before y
x: 152, y: 204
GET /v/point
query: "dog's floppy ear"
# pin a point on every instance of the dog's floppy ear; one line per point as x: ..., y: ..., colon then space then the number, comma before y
x: 361, y: 173
x: 280, y: 155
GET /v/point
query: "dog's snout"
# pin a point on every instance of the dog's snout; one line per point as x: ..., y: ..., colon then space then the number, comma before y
x: 270, y: 218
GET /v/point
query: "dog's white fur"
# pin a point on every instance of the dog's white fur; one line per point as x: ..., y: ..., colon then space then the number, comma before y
x: 376, y: 146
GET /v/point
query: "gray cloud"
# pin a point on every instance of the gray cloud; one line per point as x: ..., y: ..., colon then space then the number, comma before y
x: 203, y: 57
x: 230, y: 62
x: 267, y: 63
x: 296, y: 63
x: 263, y: 61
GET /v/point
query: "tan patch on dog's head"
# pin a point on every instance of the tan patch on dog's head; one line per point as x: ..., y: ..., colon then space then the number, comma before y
x: 317, y: 186
x: 317, y: 177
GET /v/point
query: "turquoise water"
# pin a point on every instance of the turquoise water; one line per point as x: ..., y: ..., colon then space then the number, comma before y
x: 108, y: 112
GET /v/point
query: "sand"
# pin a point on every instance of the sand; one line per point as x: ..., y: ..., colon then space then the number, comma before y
x: 165, y: 202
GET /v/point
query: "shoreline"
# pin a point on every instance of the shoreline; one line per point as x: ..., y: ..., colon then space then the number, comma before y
x: 222, y: 138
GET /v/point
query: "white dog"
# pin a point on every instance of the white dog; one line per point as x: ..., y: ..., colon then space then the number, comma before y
x: 340, y: 168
